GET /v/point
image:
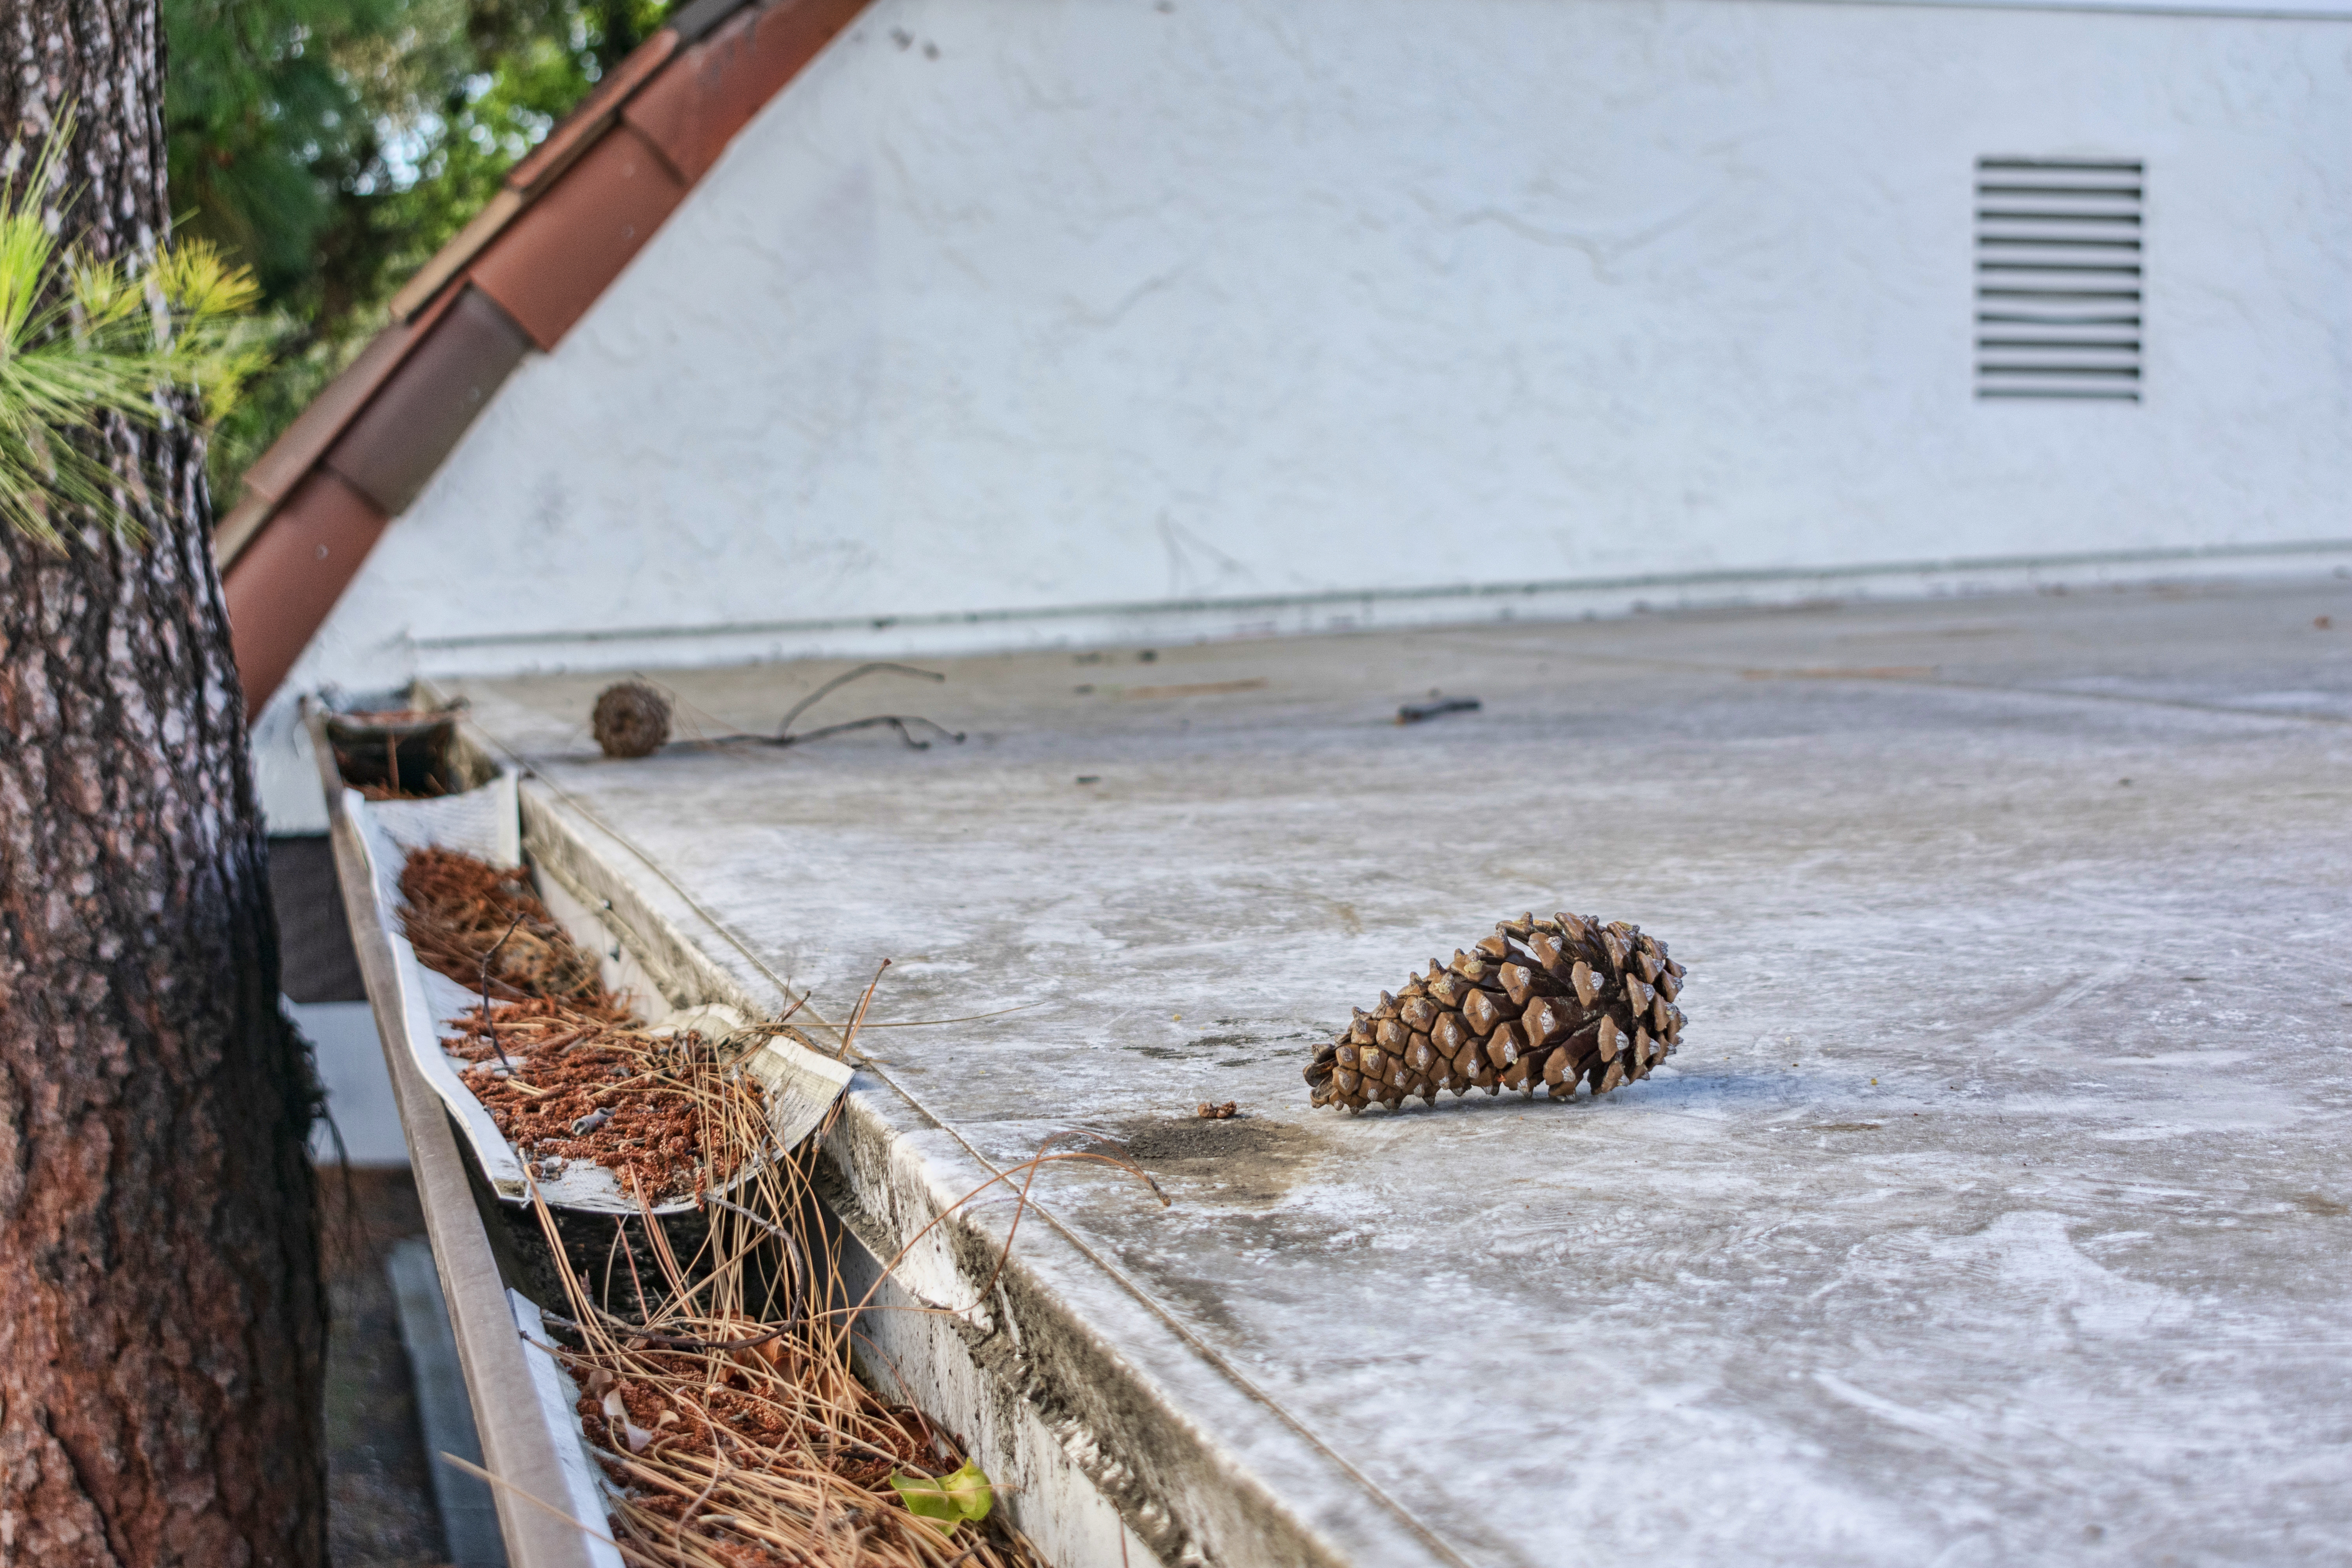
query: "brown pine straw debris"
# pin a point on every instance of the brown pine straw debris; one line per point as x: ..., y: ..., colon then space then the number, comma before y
x: 565, y: 1083
x: 729, y: 1416
x: 726, y: 1411
x: 564, y: 1069
x: 461, y: 914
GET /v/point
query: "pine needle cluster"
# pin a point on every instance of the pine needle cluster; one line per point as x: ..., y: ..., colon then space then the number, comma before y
x: 86, y: 342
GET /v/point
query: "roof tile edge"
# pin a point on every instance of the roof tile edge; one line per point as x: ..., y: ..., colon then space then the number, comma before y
x: 580, y: 129
x: 450, y: 259
x: 721, y: 86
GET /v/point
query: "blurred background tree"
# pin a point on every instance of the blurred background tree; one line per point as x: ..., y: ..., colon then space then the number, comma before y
x: 332, y: 146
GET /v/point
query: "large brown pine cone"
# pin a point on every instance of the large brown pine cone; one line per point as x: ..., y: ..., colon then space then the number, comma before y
x: 1541, y: 1002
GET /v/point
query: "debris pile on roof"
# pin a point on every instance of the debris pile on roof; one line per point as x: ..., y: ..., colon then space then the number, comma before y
x: 630, y: 719
x: 1555, y: 1003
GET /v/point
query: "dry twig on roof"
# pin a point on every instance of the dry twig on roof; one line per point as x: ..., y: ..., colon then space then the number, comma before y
x: 906, y: 724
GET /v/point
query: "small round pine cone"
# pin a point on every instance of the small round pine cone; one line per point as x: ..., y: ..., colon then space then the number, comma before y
x: 631, y: 719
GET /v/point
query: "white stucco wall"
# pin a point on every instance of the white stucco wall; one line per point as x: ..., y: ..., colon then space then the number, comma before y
x: 1019, y: 305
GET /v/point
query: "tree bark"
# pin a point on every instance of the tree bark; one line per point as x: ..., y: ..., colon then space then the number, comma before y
x: 162, y: 1318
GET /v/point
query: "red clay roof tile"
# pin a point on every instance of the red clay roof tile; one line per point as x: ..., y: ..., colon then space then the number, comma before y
x: 391, y: 447
x: 690, y: 111
x: 581, y: 128
x: 300, y: 444
x: 561, y: 252
x: 291, y: 575
x: 450, y: 259
x: 569, y: 217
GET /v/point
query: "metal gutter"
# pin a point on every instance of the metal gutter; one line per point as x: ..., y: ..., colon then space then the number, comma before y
x: 1116, y: 1434
x: 517, y: 1444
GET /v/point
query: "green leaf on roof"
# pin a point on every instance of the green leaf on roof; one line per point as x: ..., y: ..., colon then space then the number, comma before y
x: 948, y: 1501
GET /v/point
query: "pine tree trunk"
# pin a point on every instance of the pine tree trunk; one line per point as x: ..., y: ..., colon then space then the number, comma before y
x: 162, y: 1318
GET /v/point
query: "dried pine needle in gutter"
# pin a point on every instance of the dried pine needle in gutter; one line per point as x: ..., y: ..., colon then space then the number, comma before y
x: 584, y: 1089
x: 459, y: 912
x: 731, y: 1425
x: 564, y: 1070
x: 727, y: 1418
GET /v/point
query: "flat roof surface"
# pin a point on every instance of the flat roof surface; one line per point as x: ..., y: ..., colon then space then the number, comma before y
x: 1996, y: 1207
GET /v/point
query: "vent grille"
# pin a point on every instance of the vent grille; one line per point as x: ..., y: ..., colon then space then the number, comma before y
x: 2059, y: 263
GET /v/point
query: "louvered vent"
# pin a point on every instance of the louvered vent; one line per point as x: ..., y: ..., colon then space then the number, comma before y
x: 2059, y: 263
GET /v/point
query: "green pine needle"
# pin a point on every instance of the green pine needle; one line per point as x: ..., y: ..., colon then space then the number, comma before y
x: 82, y: 341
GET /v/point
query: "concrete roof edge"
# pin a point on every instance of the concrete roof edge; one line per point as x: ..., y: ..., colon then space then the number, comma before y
x: 1143, y: 1411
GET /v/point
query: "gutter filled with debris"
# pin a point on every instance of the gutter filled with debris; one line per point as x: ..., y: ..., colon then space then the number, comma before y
x: 696, y: 1253
x: 702, y: 1407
